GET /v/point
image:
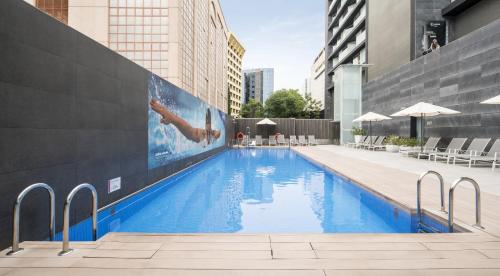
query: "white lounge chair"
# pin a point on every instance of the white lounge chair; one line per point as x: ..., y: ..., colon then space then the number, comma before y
x: 272, y: 140
x: 293, y: 140
x: 370, y: 140
x: 429, y: 147
x: 281, y: 140
x: 379, y: 144
x: 476, y: 152
x: 354, y: 144
x: 302, y: 140
x: 455, y: 145
x: 312, y: 140
x: 258, y: 140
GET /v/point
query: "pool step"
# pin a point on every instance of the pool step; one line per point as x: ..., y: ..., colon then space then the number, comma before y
x: 424, y: 228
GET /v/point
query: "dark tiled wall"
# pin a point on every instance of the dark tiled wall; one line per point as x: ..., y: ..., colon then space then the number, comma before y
x: 459, y: 76
x: 71, y: 111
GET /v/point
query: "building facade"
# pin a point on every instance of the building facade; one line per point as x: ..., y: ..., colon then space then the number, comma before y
x: 345, y: 41
x: 258, y: 84
x: 235, y: 52
x: 317, y: 79
x: 183, y: 41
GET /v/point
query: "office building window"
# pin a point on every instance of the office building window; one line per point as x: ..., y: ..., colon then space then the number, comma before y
x: 55, y: 8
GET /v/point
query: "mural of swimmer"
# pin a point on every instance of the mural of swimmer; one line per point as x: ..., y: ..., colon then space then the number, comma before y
x: 179, y: 124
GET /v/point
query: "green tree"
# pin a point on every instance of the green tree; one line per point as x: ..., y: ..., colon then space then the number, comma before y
x: 285, y: 103
x: 312, y: 108
x: 252, y: 109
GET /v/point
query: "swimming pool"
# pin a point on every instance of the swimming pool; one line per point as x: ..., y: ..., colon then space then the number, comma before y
x: 255, y: 191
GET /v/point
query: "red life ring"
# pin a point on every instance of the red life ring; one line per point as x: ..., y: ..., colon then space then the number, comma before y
x: 240, y: 135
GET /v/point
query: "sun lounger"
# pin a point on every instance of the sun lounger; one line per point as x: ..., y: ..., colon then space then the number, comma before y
x: 302, y: 140
x: 312, y: 140
x: 293, y: 140
x: 429, y: 147
x: 272, y: 140
x: 379, y: 144
x: 281, y: 140
x: 491, y: 156
x: 258, y: 140
x: 354, y: 144
x: 455, y: 145
x: 367, y: 143
x: 252, y: 144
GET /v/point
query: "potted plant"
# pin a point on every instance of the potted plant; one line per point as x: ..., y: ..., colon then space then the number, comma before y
x: 408, y: 143
x: 357, y: 132
x: 392, y: 143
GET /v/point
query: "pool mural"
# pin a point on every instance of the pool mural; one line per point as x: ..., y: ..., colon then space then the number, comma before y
x: 179, y: 124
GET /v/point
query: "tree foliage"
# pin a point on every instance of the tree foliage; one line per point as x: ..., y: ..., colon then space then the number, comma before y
x: 312, y: 108
x: 252, y: 109
x: 285, y: 103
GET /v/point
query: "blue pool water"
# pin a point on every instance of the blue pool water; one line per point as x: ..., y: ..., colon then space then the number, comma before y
x: 254, y: 191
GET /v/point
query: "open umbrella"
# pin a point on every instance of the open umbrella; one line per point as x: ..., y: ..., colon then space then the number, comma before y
x: 494, y: 100
x: 266, y: 122
x: 371, y: 117
x: 423, y: 110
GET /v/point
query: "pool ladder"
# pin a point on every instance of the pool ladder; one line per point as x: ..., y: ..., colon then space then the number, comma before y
x: 17, y: 211
x: 451, y: 197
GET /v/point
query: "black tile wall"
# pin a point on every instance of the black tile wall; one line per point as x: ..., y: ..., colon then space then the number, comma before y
x: 459, y: 76
x: 71, y: 111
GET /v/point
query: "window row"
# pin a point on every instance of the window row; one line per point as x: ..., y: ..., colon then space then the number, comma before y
x: 154, y: 47
x: 138, y: 38
x: 137, y: 12
x: 138, y: 21
x: 139, y: 3
x: 138, y: 29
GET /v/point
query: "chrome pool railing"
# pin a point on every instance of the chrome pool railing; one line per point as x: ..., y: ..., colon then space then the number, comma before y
x: 17, y: 211
x: 451, y: 201
x: 67, y: 204
x: 419, y: 192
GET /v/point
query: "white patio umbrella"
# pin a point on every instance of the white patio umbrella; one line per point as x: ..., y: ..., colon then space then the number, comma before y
x: 494, y: 100
x: 371, y: 117
x: 423, y: 110
x: 266, y: 122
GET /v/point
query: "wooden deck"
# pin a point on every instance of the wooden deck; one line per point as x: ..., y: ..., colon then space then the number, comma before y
x: 474, y: 253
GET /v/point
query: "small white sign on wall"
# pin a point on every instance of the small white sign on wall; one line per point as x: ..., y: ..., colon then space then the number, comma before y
x: 114, y: 184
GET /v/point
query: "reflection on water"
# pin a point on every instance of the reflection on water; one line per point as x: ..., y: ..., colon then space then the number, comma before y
x: 258, y: 190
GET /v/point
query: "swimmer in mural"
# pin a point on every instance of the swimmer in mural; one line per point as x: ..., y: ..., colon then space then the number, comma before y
x: 199, y: 135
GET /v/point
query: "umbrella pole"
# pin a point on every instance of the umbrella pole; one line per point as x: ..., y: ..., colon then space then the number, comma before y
x: 370, y: 130
x: 422, y: 118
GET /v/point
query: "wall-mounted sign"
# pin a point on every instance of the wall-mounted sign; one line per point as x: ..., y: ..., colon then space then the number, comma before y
x: 436, y: 30
x: 114, y: 184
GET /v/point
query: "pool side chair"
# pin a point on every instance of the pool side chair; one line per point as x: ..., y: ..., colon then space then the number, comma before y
x: 281, y: 140
x: 354, y: 144
x: 370, y: 140
x: 293, y: 140
x: 429, y: 147
x: 379, y: 144
x: 455, y: 145
x: 475, y: 148
x: 357, y: 145
x: 258, y: 140
x: 312, y: 140
x: 491, y: 156
x: 272, y: 140
x: 252, y: 144
x: 302, y: 140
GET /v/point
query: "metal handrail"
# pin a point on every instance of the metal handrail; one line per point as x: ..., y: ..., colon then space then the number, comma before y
x: 419, y: 191
x: 67, y: 205
x: 451, y: 203
x: 17, y: 211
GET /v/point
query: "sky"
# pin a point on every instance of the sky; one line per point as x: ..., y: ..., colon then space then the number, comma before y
x: 282, y: 34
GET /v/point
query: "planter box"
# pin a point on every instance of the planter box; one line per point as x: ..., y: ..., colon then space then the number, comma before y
x: 392, y: 148
x: 357, y: 138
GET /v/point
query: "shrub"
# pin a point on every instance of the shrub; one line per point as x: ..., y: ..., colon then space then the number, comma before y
x: 358, y: 131
x: 393, y: 140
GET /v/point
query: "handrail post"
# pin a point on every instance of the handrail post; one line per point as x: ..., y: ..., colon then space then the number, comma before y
x: 67, y: 205
x: 17, y: 212
x: 451, y: 203
x: 419, y: 192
